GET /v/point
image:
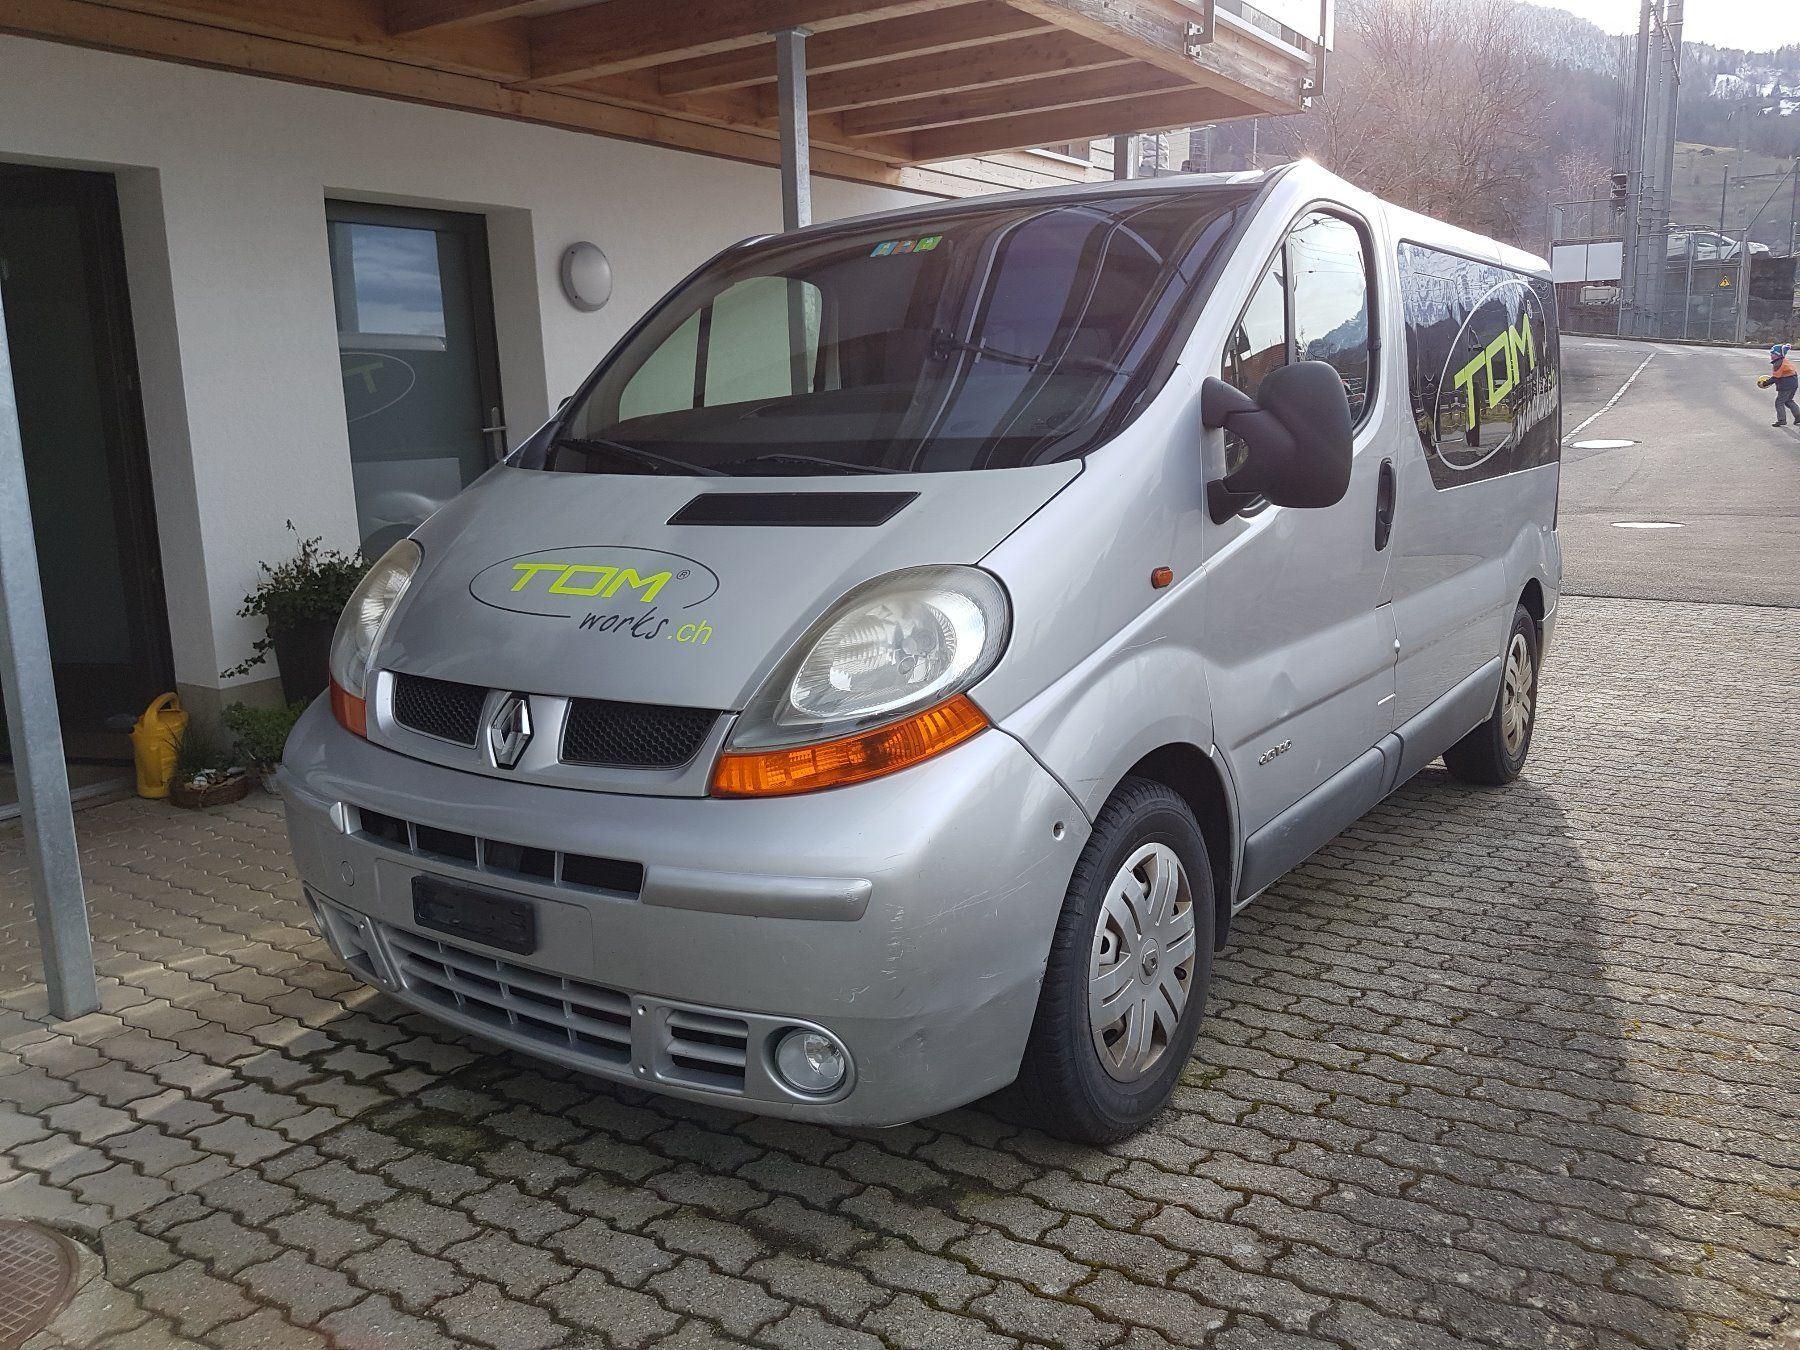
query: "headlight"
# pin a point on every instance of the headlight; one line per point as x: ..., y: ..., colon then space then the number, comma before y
x: 359, y: 631
x: 875, y: 685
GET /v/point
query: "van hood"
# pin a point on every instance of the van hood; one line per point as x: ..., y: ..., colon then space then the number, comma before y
x: 578, y: 585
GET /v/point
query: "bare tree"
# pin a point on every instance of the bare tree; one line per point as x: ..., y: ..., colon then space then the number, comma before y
x: 1436, y: 105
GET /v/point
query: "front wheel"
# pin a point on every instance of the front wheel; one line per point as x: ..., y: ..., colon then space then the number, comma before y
x: 1127, y: 974
x: 1495, y: 751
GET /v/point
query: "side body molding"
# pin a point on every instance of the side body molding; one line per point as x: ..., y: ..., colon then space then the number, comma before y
x: 1325, y: 812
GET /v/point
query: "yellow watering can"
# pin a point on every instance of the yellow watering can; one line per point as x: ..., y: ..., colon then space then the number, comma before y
x: 155, y: 741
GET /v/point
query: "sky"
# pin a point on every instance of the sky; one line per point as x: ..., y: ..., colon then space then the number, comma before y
x: 1756, y: 25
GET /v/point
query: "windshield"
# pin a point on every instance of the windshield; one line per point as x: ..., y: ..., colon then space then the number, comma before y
x: 988, y: 338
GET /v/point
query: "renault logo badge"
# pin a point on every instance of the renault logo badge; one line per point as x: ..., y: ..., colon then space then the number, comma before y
x: 510, y: 731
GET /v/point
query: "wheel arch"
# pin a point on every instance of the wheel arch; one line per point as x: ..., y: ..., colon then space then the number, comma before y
x: 1198, y: 780
x: 1532, y: 597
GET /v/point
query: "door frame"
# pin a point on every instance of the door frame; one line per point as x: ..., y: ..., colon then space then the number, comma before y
x: 96, y: 198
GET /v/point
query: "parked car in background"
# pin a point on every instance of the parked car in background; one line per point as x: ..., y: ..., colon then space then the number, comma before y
x: 889, y: 673
x: 1707, y: 245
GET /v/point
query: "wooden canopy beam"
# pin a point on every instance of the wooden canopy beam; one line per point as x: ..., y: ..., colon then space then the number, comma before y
x: 992, y: 63
x: 620, y: 35
x: 420, y: 16
x: 359, y: 27
x: 960, y: 26
x: 1106, y: 85
x: 1156, y: 32
x: 1149, y: 112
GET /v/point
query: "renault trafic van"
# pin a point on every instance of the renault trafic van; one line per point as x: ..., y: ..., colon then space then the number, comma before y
x: 886, y: 676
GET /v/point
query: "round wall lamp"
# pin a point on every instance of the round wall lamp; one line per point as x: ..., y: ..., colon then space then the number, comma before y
x: 586, y: 276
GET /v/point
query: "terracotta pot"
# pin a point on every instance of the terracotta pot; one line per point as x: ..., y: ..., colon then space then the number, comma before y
x: 304, y: 656
x: 184, y: 794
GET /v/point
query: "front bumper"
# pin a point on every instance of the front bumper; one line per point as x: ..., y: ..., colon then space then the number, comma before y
x: 910, y: 917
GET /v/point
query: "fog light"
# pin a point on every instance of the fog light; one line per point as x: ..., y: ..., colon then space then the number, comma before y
x: 810, y: 1061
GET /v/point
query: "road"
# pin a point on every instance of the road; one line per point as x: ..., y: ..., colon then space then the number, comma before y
x: 1702, y: 457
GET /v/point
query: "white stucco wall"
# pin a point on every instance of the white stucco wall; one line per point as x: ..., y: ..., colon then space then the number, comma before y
x: 223, y: 180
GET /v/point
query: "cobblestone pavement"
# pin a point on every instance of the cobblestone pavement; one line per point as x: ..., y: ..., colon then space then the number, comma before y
x: 1513, y: 1068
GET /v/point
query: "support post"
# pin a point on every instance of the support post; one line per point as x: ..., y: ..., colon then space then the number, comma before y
x: 796, y: 141
x: 1122, y: 152
x: 36, y: 733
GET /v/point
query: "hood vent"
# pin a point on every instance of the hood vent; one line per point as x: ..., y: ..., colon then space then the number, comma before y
x: 793, y: 508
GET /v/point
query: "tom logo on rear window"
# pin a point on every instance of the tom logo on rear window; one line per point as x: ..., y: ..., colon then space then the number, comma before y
x: 1483, y: 365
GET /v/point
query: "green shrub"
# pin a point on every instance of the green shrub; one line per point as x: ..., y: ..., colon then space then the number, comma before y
x: 312, y: 586
x: 261, y: 733
x: 202, y: 753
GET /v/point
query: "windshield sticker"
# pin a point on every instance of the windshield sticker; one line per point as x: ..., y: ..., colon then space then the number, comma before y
x: 605, y: 588
x: 889, y: 247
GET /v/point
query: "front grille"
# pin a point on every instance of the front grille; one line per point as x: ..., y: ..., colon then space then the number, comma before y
x: 708, y: 1049
x: 633, y: 735
x: 588, y: 1021
x: 440, y: 708
x: 612, y: 875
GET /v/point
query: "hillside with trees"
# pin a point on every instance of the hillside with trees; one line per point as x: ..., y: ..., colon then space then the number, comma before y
x: 1486, y: 111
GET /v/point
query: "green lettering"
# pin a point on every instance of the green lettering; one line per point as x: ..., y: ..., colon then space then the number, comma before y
x: 649, y: 585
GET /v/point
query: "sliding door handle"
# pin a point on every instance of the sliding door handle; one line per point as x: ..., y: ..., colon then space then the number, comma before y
x: 1384, y: 505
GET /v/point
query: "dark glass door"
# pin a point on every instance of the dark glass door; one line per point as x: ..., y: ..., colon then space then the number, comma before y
x: 68, y: 324
x: 421, y: 378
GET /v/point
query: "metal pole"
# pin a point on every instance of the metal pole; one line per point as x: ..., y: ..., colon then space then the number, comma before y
x: 31, y: 719
x: 1121, y: 157
x: 1794, y: 208
x: 1634, y: 167
x: 1743, y: 308
x: 1724, y: 183
x: 1687, y: 296
x: 796, y: 143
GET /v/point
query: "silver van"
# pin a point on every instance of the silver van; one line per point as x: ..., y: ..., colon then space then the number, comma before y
x: 887, y: 675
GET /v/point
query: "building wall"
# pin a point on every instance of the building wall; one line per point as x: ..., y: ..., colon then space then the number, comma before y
x: 222, y: 182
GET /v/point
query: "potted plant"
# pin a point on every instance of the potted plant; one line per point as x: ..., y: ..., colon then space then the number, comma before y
x: 261, y: 734
x: 207, y: 773
x: 300, y: 601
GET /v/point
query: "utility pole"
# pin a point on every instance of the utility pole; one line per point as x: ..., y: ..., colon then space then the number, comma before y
x: 1634, y: 169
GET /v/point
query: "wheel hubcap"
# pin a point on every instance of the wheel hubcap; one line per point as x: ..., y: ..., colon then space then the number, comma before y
x: 1141, y: 972
x: 1515, y: 697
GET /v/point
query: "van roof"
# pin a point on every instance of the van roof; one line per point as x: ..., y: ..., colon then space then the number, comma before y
x: 1300, y: 178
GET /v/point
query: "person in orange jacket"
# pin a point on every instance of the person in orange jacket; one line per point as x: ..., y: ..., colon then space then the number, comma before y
x: 1786, y: 380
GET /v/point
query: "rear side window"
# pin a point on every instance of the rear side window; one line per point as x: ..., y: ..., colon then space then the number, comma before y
x: 1311, y: 304
x: 1482, y: 363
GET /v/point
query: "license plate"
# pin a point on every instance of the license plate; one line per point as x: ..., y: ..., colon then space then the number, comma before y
x: 481, y: 916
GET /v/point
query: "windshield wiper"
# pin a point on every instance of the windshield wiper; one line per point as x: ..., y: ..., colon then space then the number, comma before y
x: 782, y: 457
x: 599, y: 445
x: 944, y: 342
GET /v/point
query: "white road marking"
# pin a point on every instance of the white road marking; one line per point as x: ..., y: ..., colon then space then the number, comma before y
x: 1607, y: 407
x: 1603, y: 445
x: 1646, y: 525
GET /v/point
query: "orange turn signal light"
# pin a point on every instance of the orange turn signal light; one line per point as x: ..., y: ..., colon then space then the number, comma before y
x: 351, y: 712
x: 852, y: 759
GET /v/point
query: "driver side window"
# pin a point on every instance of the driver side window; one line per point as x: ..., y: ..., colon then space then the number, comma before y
x: 1258, y: 345
x: 1312, y: 304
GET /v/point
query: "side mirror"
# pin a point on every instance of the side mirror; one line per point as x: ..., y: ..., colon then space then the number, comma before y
x: 1298, y: 428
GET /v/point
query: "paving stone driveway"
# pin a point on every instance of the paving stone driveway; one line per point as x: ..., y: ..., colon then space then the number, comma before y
x: 1514, y: 1068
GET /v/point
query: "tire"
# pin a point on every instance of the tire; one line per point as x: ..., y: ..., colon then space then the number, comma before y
x: 1494, y: 753
x: 1066, y: 1088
